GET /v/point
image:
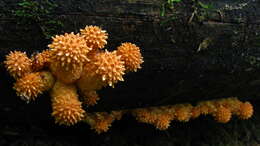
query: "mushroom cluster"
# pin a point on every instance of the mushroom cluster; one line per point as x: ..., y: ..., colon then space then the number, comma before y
x: 161, y: 117
x: 221, y: 109
x: 74, y: 65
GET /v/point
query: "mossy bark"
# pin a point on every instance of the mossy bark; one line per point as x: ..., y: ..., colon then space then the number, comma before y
x: 199, y: 54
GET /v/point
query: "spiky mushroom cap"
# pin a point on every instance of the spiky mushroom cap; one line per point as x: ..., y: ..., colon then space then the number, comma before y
x: 100, y: 122
x: 18, y: 64
x: 232, y: 103
x: 33, y: 84
x: 131, y: 56
x: 94, y: 36
x: 207, y: 107
x: 145, y: 115
x: 117, y: 115
x: 222, y: 115
x: 246, y: 110
x: 109, y: 67
x: 41, y: 60
x: 67, y: 109
x: 163, y: 121
x: 70, y: 50
x: 160, y: 117
x: 90, y: 98
x: 101, y: 126
x: 183, y: 112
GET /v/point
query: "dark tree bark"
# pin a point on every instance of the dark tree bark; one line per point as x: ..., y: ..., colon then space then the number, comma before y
x: 199, y: 54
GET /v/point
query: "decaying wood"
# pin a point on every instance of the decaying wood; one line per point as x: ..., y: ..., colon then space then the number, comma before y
x: 188, y: 59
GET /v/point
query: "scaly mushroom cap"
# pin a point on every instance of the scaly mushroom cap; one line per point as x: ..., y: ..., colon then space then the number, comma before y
x: 66, y: 76
x: 18, y: 64
x: 246, y: 110
x: 29, y: 86
x: 67, y: 109
x: 70, y: 50
x: 94, y: 36
x: 109, y: 67
x: 131, y: 56
x: 222, y: 115
x: 41, y: 60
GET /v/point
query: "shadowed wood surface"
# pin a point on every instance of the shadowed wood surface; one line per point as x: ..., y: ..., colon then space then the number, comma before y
x: 202, y: 131
x: 177, y: 67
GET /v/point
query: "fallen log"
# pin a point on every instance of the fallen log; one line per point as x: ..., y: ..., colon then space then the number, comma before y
x: 199, y: 55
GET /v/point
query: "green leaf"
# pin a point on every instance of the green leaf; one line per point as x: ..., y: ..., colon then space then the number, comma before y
x: 176, y: 1
x: 173, y: 1
x: 162, y: 13
x: 205, y: 6
x: 24, y: 3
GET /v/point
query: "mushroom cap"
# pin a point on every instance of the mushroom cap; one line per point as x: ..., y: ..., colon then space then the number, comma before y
x: 67, y: 109
x: 70, y: 50
x: 222, y: 115
x: 163, y: 121
x: 246, y: 110
x: 131, y: 56
x: 94, y: 36
x: 100, y: 121
x: 29, y: 86
x: 18, y: 64
x: 90, y: 98
x: 41, y: 60
x: 108, y: 66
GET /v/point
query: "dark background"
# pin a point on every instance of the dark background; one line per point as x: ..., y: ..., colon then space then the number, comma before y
x: 175, y: 70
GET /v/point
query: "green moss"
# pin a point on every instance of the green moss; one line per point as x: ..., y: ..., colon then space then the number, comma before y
x: 171, y: 8
x: 39, y: 12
